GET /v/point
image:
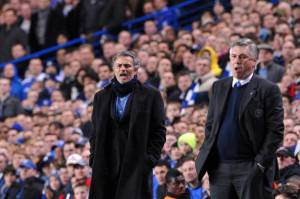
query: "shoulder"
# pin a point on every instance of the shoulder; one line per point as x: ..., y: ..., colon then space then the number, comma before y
x: 220, y: 82
x: 264, y: 83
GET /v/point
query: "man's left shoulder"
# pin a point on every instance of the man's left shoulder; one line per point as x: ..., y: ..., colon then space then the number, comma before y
x: 264, y: 83
x: 148, y: 89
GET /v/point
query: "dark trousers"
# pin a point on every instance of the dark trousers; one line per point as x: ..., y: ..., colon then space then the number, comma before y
x: 237, y: 181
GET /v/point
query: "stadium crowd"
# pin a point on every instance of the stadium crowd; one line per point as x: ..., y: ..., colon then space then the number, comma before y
x: 45, y: 107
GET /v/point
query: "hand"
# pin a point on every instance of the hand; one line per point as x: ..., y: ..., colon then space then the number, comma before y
x: 261, y: 167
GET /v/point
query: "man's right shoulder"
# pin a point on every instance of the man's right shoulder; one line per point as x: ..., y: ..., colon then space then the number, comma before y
x: 103, y: 91
x: 222, y: 81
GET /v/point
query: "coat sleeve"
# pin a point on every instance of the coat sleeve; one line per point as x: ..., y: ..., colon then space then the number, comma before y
x: 210, y: 114
x: 274, y: 126
x: 93, y: 133
x: 157, y: 134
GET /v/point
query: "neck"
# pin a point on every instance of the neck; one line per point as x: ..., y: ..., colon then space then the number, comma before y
x: 194, y: 183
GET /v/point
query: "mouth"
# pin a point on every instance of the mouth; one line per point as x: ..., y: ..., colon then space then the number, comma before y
x: 237, y: 68
x: 123, y: 75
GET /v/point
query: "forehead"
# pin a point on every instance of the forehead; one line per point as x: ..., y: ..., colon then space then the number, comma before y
x: 202, y: 61
x: 239, y: 50
x: 124, y: 59
x: 177, y: 179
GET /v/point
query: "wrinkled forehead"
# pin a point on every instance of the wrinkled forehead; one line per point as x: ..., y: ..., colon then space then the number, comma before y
x: 240, y: 50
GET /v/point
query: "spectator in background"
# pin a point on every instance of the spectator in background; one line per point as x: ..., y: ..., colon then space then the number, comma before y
x: 287, y: 164
x: 10, y: 34
x: 160, y: 171
x: 70, y: 10
x: 46, y: 25
x: 11, y: 187
x: 81, y: 191
x: 34, y: 74
x: 25, y: 15
x: 9, y: 105
x: 97, y: 14
x: 105, y: 75
x: 190, y: 176
x: 31, y: 185
x: 10, y: 72
x: 18, y: 50
x: 124, y: 38
x: 266, y: 67
x: 204, y: 79
x: 176, y: 185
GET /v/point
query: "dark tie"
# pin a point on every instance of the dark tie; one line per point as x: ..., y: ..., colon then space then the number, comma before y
x: 237, y: 84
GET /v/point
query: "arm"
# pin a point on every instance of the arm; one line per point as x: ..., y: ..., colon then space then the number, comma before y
x: 93, y: 134
x: 157, y: 134
x: 274, y: 127
x: 210, y: 114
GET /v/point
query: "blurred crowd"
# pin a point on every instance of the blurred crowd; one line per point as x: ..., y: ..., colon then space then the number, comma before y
x: 45, y: 107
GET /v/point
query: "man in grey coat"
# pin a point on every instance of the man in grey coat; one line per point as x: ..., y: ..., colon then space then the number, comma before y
x: 243, y: 130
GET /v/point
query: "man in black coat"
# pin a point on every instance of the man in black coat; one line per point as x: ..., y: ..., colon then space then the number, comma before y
x: 46, y: 25
x: 9, y: 105
x: 243, y: 130
x: 10, y: 34
x: 129, y: 133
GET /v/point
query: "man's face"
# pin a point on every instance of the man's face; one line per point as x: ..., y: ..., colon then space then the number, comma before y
x: 79, y: 172
x: 241, y: 62
x: 125, y: 38
x: 265, y: 56
x: 104, y: 72
x: 87, y: 56
x: 184, y: 82
x: 189, y: 171
x: 177, y: 185
x: 43, y: 4
x: 26, y: 173
x: 202, y: 67
x: 160, y: 174
x: 150, y: 28
x: 9, y: 17
x: 35, y: 66
x: 168, y: 79
x: 288, y: 50
x: 9, y: 178
x: 81, y: 192
x: 285, y: 161
x: 290, y: 139
x: 68, y: 150
x: 4, y: 86
x: 17, y: 51
x: 124, y: 69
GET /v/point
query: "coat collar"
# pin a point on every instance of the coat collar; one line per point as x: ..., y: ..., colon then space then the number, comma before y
x: 248, y: 94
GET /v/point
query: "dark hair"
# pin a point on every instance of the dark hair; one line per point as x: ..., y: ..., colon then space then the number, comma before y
x: 9, y: 169
x: 57, y: 124
x: 161, y: 163
x: 171, y: 174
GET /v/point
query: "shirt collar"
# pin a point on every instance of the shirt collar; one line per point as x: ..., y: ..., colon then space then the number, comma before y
x: 242, y: 81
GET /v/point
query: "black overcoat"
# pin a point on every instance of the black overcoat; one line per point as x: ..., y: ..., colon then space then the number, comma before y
x: 261, y: 121
x: 145, y: 140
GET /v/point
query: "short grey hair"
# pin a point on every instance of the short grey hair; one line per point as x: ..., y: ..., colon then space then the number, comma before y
x: 246, y: 42
x: 136, y: 61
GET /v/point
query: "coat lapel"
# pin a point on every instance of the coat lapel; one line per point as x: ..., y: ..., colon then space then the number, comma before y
x: 224, y: 93
x: 137, y: 104
x: 248, y: 94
